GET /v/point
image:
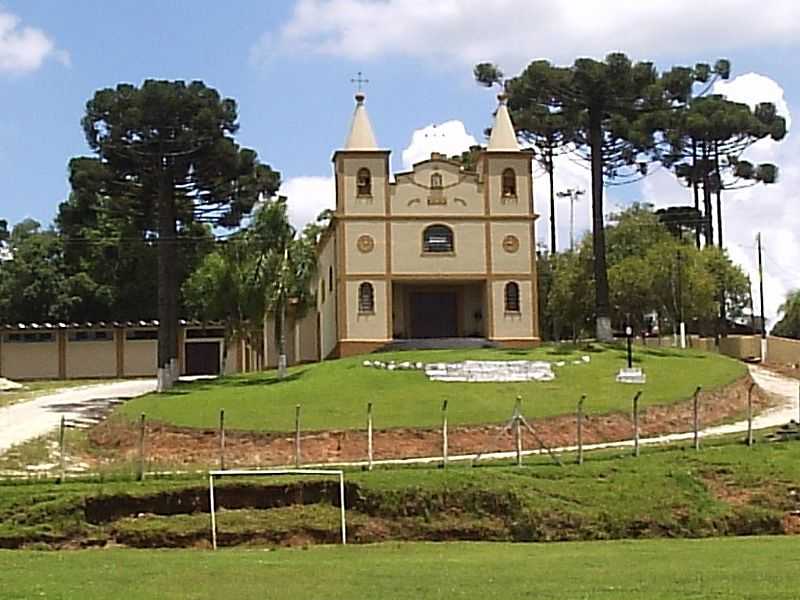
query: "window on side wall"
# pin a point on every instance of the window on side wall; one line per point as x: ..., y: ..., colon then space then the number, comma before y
x: 512, y: 297
x: 366, y: 298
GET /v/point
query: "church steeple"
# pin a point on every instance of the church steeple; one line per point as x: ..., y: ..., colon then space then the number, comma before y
x: 503, y: 138
x: 360, y: 136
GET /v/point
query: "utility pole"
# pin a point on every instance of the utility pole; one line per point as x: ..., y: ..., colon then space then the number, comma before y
x: 761, y: 294
x: 573, y: 194
x: 679, y: 287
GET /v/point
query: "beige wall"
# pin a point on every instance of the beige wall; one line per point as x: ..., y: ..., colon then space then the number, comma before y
x: 461, y: 193
x: 512, y: 262
x: 367, y: 326
x: 347, y: 165
x: 513, y: 325
x: 88, y: 359
x: 356, y: 261
x: 741, y: 346
x: 494, y: 166
x: 29, y: 360
x: 140, y: 358
x: 783, y: 351
x: 328, y: 309
x: 468, y: 241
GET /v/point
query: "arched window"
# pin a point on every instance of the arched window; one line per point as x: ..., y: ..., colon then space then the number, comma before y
x: 330, y: 279
x: 436, y: 181
x: 509, y: 184
x: 437, y: 238
x: 512, y: 297
x: 364, y: 182
x: 366, y: 298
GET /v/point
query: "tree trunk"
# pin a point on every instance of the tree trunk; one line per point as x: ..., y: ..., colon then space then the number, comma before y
x: 707, y: 206
x: 602, y: 313
x: 696, y: 191
x: 167, y: 284
x: 719, y: 194
x: 550, y: 169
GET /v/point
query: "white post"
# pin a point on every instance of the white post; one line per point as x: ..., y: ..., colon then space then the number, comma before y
x: 444, y: 435
x: 213, y: 516
x: 683, y: 335
x: 369, y: 436
x: 764, y: 350
x: 341, y: 511
x: 518, y: 429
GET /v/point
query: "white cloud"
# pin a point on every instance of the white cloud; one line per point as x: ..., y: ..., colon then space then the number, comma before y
x: 515, y: 31
x: 448, y: 138
x: 307, y: 197
x: 771, y: 209
x: 24, y: 49
x: 752, y: 88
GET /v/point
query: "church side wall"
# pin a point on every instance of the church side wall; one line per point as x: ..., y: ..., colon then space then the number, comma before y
x: 326, y: 300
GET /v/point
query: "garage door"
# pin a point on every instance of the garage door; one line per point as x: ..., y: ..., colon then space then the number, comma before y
x: 202, y: 358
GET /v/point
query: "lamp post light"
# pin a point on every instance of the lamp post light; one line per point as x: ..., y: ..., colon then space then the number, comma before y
x: 629, y: 334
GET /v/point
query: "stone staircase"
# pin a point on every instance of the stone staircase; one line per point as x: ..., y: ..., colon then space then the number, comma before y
x: 457, y: 343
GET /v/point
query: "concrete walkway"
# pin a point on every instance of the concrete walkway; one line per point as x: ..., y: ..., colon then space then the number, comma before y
x: 81, y: 406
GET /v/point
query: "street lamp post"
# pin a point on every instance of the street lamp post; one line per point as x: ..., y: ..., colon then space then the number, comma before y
x: 629, y: 334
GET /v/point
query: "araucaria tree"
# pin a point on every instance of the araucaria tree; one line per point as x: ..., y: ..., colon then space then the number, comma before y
x: 167, y: 158
x: 608, y: 108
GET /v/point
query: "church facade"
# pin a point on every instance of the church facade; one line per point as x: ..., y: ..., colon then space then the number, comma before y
x: 438, y: 252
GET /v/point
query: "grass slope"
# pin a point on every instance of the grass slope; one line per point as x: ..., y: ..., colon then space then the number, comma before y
x: 334, y: 394
x: 752, y: 568
x: 726, y: 489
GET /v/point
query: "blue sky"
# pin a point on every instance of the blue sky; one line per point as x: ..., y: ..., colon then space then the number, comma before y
x: 289, y: 64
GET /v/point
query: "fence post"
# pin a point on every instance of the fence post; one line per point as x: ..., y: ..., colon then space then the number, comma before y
x: 696, y: 417
x: 297, y: 436
x: 580, y: 429
x: 444, y: 434
x: 62, y: 447
x: 518, y: 429
x: 222, y: 439
x: 140, y: 468
x: 750, y: 414
x: 369, y: 436
x: 636, y: 423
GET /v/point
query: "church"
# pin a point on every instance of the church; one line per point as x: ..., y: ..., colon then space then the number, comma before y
x: 435, y: 252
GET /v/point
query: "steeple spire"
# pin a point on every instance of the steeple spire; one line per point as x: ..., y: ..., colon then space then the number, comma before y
x: 503, y: 138
x: 360, y: 136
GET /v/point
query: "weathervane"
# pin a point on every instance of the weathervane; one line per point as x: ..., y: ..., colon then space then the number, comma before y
x: 359, y: 80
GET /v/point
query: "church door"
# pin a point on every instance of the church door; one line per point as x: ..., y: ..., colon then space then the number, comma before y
x: 434, y: 315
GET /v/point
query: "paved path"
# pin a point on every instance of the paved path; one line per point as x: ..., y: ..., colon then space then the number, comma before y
x: 81, y: 406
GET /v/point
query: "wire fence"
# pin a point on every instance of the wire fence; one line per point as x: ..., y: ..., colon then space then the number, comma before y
x: 142, y: 448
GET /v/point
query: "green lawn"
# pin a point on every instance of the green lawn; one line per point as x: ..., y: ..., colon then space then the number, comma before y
x: 751, y: 568
x: 334, y: 394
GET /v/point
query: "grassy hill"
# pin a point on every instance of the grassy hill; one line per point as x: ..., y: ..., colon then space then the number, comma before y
x: 334, y: 394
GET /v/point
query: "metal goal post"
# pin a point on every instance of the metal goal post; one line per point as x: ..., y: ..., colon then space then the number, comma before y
x: 268, y: 472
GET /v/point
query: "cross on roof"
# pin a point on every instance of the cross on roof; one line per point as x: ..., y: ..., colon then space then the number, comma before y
x: 359, y: 80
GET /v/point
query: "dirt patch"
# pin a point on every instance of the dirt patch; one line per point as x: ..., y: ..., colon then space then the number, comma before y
x: 784, y: 369
x: 175, y: 447
x: 726, y: 489
x: 791, y: 523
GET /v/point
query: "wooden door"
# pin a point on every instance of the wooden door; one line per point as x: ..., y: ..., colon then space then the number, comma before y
x: 202, y: 358
x: 434, y: 314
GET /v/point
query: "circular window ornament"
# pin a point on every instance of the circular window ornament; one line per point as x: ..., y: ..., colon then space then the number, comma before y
x: 510, y: 244
x: 365, y: 244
